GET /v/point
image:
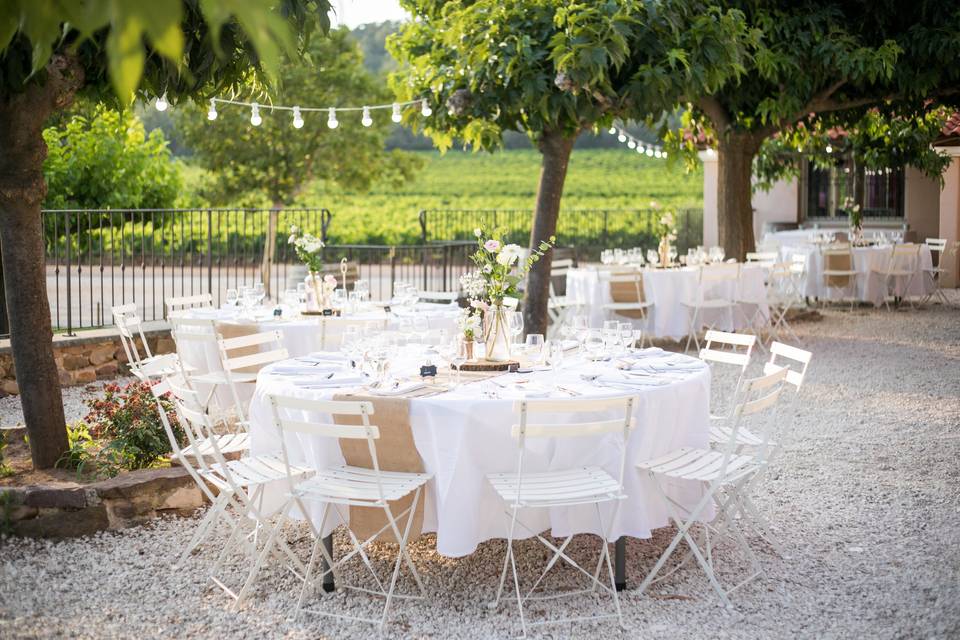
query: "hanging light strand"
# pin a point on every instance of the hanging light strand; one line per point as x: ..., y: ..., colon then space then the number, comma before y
x: 396, y: 114
x: 644, y: 148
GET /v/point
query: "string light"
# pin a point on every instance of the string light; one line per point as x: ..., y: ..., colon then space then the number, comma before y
x: 425, y: 109
x: 641, y: 147
x: 332, y: 118
x: 829, y: 149
x: 332, y: 122
x: 366, y: 120
x: 622, y: 137
x: 395, y: 116
x: 255, y: 118
x: 613, y: 131
x: 632, y: 144
x: 212, y: 113
x: 161, y: 104
x: 297, y: 118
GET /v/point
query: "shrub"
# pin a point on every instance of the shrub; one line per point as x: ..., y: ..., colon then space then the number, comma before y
x: 128, y: 424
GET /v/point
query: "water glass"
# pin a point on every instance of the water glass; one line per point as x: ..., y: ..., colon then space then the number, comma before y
x: 653, y: 258
x: 626, y: 334
x: 554, y: 353
x: 593, y: 343
x: 232, y: 298
x: 534, y: 347
x: 611, y: 335
x: 258, y: 293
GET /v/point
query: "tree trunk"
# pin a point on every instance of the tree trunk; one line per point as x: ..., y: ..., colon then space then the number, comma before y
x: 269, y: 248
x: 22, y: 190
x: 555, y: 149
x: 734, y: 192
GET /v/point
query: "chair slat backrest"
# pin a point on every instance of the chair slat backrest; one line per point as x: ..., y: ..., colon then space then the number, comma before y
x: 130, y: 327
x: 438, y: 297
x: 625, y: 287
x: 754, y: 397
x: 762, y: 256
x: 160, y: 390
x: 733, y: 340
x: 591, y: 423
x: 282, y: 406
x: 182, y: 303
x: 799, y: 358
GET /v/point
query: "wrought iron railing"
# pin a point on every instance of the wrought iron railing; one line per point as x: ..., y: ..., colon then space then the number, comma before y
x: 587, y: 231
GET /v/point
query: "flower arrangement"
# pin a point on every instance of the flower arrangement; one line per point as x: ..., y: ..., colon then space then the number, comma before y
x: 854, y: 214
x: 501, y: 267
x: 666, y: 230
x: 308, y: 247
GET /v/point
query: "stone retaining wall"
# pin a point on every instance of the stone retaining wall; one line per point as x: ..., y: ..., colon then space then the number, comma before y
x: 84, y: 358
x: 67, y: 510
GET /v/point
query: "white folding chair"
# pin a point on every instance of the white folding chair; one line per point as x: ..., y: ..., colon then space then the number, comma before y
x: 722, y: 475
x: 148, y: 366
x: 707, y: 298
x: 240, y: 484
x: 783, y: 295
x: 839, y: 273
x: 945, y: 254
x: 332, y: 328
x: 898, y: 273
x: 242, y: 368
x: 633, y: 309
x: 438, y: 297
x: 181, y: 304
x: 194, y: 456
x: 524, y: 489
x: 344, y: 486
x: 767, y: 258
x: 559, y: 307
x: 739, y: 349
x: 199, y: 335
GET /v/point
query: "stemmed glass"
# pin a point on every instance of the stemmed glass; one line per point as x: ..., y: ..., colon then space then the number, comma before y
x: 233, y: 298
x: 626, y: 335
x: 554, y: 353
x: 258, y: 294
x: 610, y: 335
x: 593, y: 343
x: 534, y: 347
x: 580, y: 330
x: 459, y: 356
x: 515, y: 324
x: 653, y: 258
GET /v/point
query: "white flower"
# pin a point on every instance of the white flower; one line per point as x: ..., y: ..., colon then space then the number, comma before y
x: 509, y: 255
x: 473, y: 284
x: 478, y: 232
x: 487, y: 268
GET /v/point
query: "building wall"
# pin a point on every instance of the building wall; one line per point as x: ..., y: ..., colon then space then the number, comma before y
x: 950, y: 217
x: 780, y: 204
x: 711, y: 233
x: 921, y: 204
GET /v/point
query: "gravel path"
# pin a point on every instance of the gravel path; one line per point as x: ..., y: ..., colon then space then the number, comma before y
x: 866, y: 499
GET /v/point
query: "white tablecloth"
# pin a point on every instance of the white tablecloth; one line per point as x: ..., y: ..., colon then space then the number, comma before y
x: 463, y: 435
x: 667, y: 289
x: 869, y: 285
x: 301, y: 334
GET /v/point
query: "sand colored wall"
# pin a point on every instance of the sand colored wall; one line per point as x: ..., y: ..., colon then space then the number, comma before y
x: 950, y: 217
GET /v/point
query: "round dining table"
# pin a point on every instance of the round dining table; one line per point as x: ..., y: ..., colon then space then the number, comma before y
x: 463, y: 433
x: 668, y: 290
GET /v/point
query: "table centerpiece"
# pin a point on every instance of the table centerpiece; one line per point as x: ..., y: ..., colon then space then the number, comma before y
x: 309, y: 250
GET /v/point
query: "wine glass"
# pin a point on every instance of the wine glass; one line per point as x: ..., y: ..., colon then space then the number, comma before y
x: 534, y: 347
x: 653, y: 258
x: 580, y: 329
x: 626, y: 334
x: 672, y: 254
x: 610, y: 334
x: 258, y: 293
x: 515, y: 324
x: 233, y: 298
x: 554, y: 352
x: 459, y: 356
x: 593, y: 343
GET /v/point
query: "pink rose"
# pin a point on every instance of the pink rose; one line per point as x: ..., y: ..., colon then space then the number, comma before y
x: 329, y: 279
x: 480, y: 304
x: 492, y: 245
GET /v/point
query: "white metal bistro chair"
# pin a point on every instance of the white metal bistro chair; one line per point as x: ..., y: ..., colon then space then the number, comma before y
x: 839, y: 274
x: 945, y: 253
x: 193, y: 457
x: 181, y: 304
x: 627, y: 285
x: 783, y: 295
x: 766, y: 258
x: 716, y: 293
x: 560, y: 308
x: 722, y: 475
x: 144, y: 366
x: 242, y: 483
x: 438, y: 297
x: 739, y: 348
x: 898, y: 273
x: 332, y: 329
x: 524, y: 489
x: 199, y: 335
x: 243, y: 357
x: 345, y: 486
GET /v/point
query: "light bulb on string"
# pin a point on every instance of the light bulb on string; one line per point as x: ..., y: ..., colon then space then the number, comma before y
x: 212, y: 113
x: 649, y: 153
x: 255, y: 118
x: 710, y: 152
x: 663, y: 154
x: 332, y: 118
x: 640, y: 148
x: 621, y: 137
x: 161, y: 104
x: 425, y: 109
x: 613, y: 131
x: 297, y: 118
x: 829, y: 149
x: 632, y: 144
x: 366, y: 120
x: 395, y: 116
x: 657, y: 153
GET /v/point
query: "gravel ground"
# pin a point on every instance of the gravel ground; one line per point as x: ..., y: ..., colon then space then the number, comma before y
x: 866, y: 499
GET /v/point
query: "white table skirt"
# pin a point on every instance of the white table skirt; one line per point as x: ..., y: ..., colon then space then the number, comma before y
x: 667, y: 289
x: 870, y: 285
x: 463, y: 435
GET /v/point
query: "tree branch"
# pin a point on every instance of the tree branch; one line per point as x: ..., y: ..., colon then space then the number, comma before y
x: 715, y: 111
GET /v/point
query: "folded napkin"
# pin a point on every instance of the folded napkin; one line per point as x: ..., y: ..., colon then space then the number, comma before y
x: 669, y: 364
x: 328, y: 356
x: 398, y: 389
x: 532, y: 390
x: 306, y: 368
x: 569, y: 345
x: 648, y: 352
x: 337, y: 380
x: 619, y: 381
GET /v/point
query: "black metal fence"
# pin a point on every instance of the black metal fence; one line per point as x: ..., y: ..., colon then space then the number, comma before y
x: 97, y: 259
x: 587, y: 231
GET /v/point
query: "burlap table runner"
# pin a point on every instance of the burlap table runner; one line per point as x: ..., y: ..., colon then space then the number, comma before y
x: 396, y: 451
x: 631, y: 291
x: 837, y: 262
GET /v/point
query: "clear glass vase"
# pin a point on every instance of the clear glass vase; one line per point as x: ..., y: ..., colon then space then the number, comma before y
x: 496, y: 334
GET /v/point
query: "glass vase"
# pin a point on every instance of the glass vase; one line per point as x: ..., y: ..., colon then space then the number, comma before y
x: 496, y: 334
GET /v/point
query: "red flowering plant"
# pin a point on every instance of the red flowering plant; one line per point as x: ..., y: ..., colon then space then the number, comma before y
x: 127, y: 422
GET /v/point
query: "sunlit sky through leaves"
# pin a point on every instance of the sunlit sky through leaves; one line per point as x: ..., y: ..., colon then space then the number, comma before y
x: 356, y: 12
